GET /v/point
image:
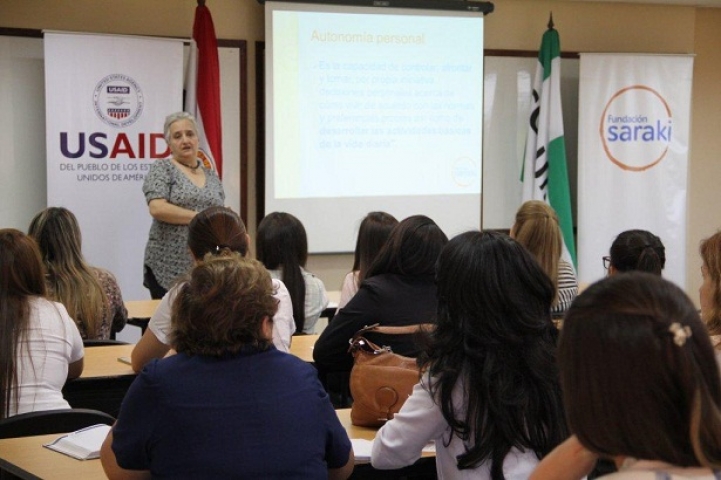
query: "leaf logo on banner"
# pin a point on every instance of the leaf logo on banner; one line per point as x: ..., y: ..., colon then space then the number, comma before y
x: 636, y: 128
x: 118, y: 100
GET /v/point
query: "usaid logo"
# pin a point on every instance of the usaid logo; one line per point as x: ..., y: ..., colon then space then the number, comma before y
x: 118, y: 100
x: 115, y: 89
x: 636, y: 128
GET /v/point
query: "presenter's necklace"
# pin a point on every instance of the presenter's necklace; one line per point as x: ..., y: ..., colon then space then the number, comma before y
x: 197, y: 165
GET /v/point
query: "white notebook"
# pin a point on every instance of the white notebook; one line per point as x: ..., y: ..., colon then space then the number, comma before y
x: 82, y: 444
x: 362, y: 449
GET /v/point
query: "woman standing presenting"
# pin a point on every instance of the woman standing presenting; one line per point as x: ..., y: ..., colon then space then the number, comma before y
x: 176, y: 188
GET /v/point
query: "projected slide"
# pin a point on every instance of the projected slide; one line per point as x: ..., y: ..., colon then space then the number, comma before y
x: 372, y: 109
x: 386, y: 104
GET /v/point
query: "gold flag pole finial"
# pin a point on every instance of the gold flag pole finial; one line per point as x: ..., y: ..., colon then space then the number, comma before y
x: 550, y: 20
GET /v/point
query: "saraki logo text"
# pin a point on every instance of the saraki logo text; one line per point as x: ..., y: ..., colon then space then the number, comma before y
x: 636, y: 128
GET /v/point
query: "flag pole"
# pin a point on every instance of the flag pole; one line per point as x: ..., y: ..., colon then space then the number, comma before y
x: 550, y: 19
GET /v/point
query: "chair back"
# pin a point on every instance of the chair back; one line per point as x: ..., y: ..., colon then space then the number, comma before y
x: 51, y: 421
x: 101, y: 343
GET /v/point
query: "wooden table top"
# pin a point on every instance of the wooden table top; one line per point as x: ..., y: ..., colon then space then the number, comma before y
x: 28, y: 454
x: 302, y: 346
x: 141, y: 309
x: 36, y: 461
x: 102, y: 361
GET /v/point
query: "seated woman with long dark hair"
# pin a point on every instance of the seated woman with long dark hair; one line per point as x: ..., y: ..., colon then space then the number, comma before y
x: 399, y: 290
x: 40, y: 346
x: 282, y: 246
x: 229, y: 404
x: 373, y: 233
x: 490, y: 395
x: 640, y: 384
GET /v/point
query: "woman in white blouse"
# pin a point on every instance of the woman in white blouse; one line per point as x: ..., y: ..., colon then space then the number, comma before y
x: 214, y: 231
x: 40, y: 345
x: 490, y: 397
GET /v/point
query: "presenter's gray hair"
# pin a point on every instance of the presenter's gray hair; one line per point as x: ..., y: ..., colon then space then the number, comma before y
x: 174, y: 117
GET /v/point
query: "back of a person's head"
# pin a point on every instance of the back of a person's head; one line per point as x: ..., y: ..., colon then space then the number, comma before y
x: 495, y: 285
x: 222, y: 306
x: 281, y: 240
x: 281, y: 243
x: 638, y: 250
x: 21, y: 270
x: 536, y: 228
x: 217, y: 229
x: 710, y: 250
x: 412, y: 248
x: 639, y: 374
x: 70, y: 280
x: 373, y: 233
x: 57, y: 233
x: 494, y: 335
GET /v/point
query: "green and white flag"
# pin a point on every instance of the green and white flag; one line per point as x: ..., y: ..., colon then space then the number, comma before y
x: 545, y: 175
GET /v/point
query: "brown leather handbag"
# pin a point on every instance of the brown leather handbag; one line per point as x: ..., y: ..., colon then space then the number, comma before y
x: 380, y: 380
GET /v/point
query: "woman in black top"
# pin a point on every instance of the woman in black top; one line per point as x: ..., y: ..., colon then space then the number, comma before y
x: 399, y: 290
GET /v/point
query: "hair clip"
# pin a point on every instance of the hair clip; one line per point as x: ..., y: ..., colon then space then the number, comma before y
x: 217, y: 249
x: 680, y: 333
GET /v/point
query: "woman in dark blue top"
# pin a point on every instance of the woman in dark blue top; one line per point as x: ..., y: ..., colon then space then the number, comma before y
x: 227, y: 405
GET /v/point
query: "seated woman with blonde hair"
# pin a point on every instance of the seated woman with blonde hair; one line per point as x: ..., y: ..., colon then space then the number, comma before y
x: 90, y: 294
x: 229, y: 404
x: 640, y: 384
x: 537, y: 228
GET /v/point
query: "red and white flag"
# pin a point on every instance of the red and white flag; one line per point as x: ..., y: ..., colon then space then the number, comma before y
x: 202, y: 97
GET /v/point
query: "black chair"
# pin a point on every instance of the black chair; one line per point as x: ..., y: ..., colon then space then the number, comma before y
x: 51, y: 421
x: 101, y: 343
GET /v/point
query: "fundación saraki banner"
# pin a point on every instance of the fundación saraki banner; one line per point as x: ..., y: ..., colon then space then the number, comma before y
x: 106, y: 100
x: 633, y: 143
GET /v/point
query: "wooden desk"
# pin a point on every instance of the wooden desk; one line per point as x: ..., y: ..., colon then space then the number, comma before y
x: 104, y: 381
x: 302, y: 346
x: 102, y: 361
x: 28, y: 459
x: 141, y: 309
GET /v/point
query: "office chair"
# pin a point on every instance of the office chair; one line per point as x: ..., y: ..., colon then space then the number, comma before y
x: 51, y: 421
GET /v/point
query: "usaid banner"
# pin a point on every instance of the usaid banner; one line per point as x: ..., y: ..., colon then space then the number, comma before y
x: 106, y: 100
x: 633, y: 142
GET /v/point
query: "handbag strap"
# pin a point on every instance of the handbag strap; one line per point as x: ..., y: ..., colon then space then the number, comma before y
x: 399, y: 330
x: 359, y: 341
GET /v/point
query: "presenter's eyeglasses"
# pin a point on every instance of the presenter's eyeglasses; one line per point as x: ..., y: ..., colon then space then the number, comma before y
x: 606, y: 262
